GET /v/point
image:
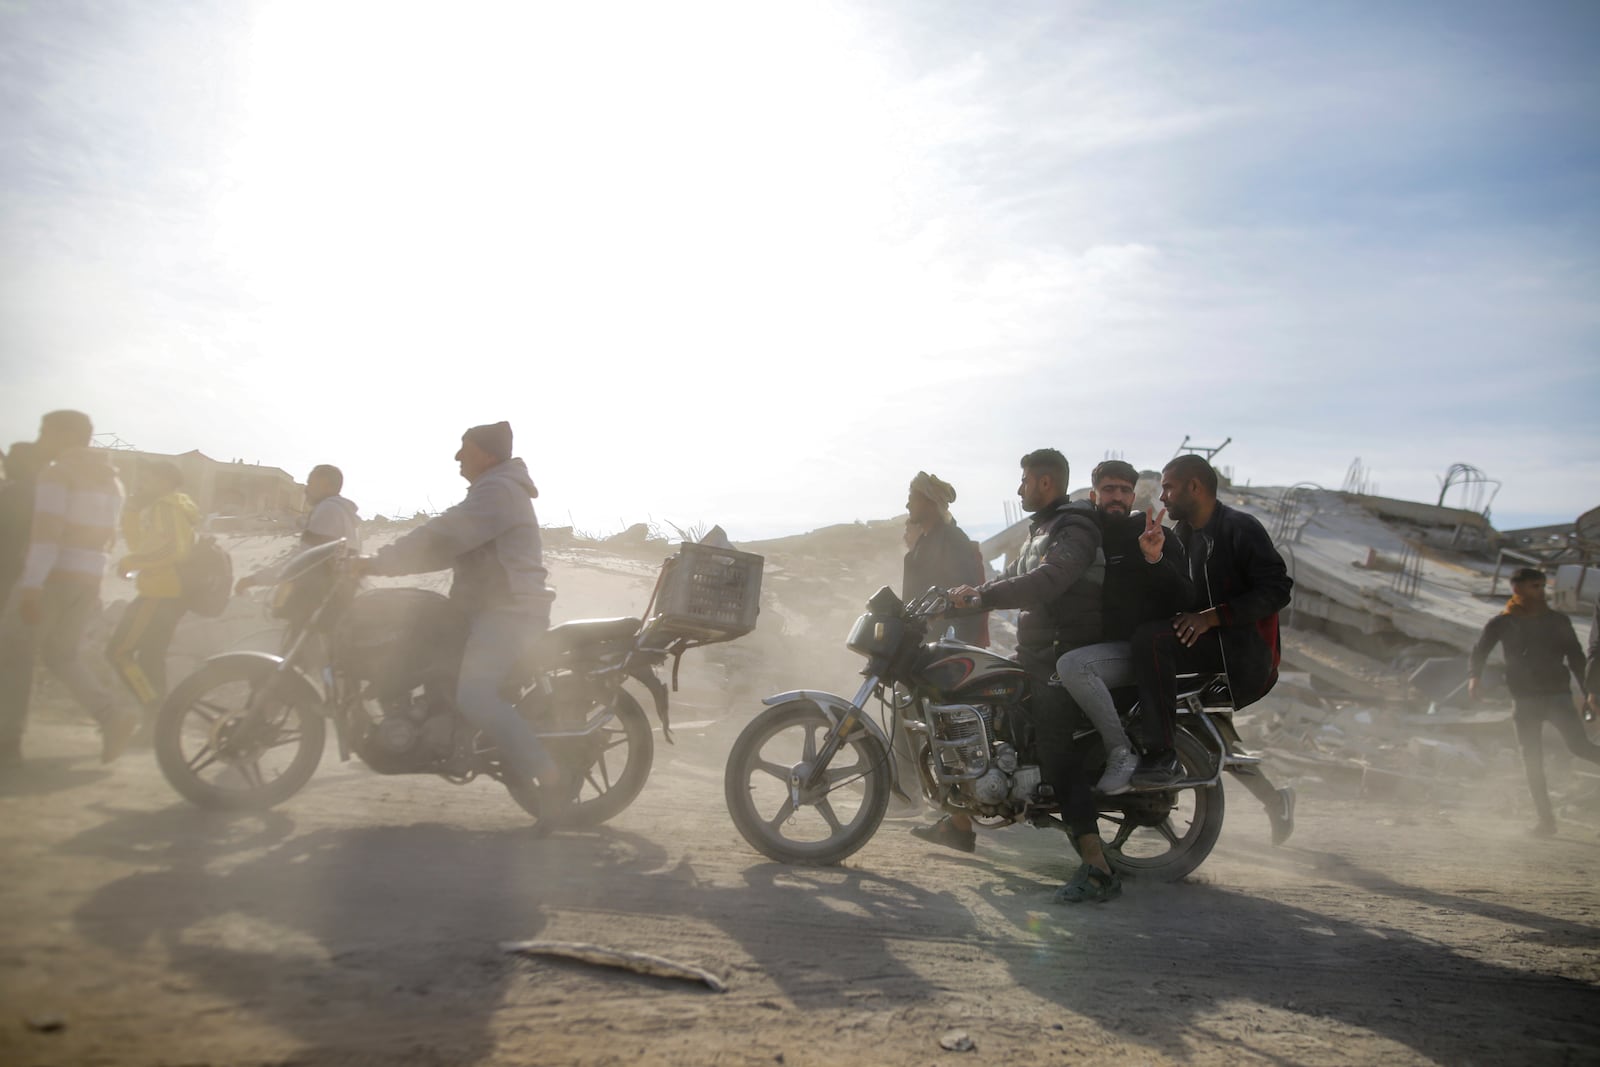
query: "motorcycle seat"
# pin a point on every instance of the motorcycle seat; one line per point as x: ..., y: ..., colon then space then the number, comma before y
x: 583, y: 632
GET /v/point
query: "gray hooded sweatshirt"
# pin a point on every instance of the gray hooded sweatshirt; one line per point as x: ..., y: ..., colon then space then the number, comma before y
x: 332, y: 518
x: 490, y: 540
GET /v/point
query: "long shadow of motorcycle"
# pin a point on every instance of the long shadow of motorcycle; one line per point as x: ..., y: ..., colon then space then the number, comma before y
x: 1161, y: 969
x: 282, y: 924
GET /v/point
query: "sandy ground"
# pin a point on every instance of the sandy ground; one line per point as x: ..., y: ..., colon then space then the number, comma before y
x: 359, y: 924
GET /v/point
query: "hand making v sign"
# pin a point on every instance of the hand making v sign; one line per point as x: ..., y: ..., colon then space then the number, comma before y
x: 1153, y: 542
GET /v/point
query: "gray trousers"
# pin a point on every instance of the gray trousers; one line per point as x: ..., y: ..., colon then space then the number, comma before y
x: 67, y: 608
x: 1089, y: 674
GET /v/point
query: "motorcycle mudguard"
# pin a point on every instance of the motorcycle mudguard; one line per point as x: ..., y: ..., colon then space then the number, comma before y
x: 834, y: 707
x: 658, y: 691
x: 295, y: 682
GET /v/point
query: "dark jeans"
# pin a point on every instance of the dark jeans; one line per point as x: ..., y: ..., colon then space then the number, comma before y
x: 1158, y: 658
x: 138, y: 648
x: 1055, y: 718
x: 66, y: 608
x: 1532, y: 712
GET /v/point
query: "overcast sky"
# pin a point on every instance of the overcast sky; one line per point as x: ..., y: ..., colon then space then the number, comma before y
x: 758, y: 264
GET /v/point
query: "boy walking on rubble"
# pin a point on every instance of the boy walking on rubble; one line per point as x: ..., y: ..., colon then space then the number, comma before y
x: 1541, y: 648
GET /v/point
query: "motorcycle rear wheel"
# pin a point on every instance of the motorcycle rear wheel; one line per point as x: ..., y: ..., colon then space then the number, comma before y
x: 208, y: 724
x: 612, y: 764
x: 829, y: 824
x: 1181, y: 842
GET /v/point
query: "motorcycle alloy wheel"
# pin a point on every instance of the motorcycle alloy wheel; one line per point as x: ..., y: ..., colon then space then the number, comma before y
x: 1165, y: 836
x: 611, y: 764
x: 830, y: 822
x: 224, y: 743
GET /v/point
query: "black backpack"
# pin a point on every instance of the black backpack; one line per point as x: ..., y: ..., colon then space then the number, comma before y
x: 206, y: 575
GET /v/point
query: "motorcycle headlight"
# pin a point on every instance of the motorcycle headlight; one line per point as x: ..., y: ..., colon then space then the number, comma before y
x: 876, y: 635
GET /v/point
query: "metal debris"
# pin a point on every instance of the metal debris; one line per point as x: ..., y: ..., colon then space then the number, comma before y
x: 600, y: 956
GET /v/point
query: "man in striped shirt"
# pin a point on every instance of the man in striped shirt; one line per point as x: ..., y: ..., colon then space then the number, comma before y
x: 76, y: 505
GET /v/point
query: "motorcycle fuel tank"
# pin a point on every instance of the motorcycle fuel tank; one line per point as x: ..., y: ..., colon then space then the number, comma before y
x: 955, y: 671
x: 400, y: 636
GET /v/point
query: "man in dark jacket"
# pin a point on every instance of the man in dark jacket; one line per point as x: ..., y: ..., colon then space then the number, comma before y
x: 1056, y: 581
x: 1241, y: 583
x: 1541, y: 649
x: 939, y: 553
x: 1147, y: 578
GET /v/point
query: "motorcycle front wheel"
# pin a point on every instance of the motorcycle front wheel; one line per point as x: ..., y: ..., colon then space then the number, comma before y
x: 1165, y: 836
x: 609, y: 765
x: 823, y: 824
x: 233, y: 736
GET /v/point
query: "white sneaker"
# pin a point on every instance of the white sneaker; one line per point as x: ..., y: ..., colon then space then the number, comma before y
x: 1120, y: 765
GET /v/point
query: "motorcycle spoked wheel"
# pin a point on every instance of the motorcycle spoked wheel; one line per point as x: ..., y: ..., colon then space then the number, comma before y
x: 220, y: 753
x: 610, y: 765
x: 829, y: 824
x: 1165, y: 836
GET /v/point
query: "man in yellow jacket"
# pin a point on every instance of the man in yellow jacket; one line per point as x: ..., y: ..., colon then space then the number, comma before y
x: 159, y: 526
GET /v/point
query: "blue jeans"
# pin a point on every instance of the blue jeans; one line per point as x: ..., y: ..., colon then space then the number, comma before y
x: 495, y: 642
x: 1088, y: 674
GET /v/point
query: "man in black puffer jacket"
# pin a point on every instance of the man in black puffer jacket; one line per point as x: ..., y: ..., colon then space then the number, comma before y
x: 1056, y: 581
x: 1240, y: 583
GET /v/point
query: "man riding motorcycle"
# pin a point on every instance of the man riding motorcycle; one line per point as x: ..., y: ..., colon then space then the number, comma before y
x: 491, y: 542
x: 1056, y: 580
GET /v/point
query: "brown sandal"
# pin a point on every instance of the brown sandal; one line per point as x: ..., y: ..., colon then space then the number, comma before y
x: 944, y: 833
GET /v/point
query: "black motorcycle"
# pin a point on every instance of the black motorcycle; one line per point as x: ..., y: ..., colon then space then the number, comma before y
x: 809, y: 779
x: 248, y: 729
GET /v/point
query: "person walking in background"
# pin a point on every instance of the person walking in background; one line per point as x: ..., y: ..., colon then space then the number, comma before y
x: 1591, y: 676
x: 1541, y: 650
x: 75, y: 508
x: 159, y: 527
x: 16, y: 513
x: 939, y: 553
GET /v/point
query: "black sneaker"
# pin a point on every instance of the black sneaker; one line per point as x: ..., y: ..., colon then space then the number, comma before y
x: 1158, y: 771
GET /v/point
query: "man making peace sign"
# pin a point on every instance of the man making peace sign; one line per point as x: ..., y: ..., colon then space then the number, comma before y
x: 1147, y: 577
